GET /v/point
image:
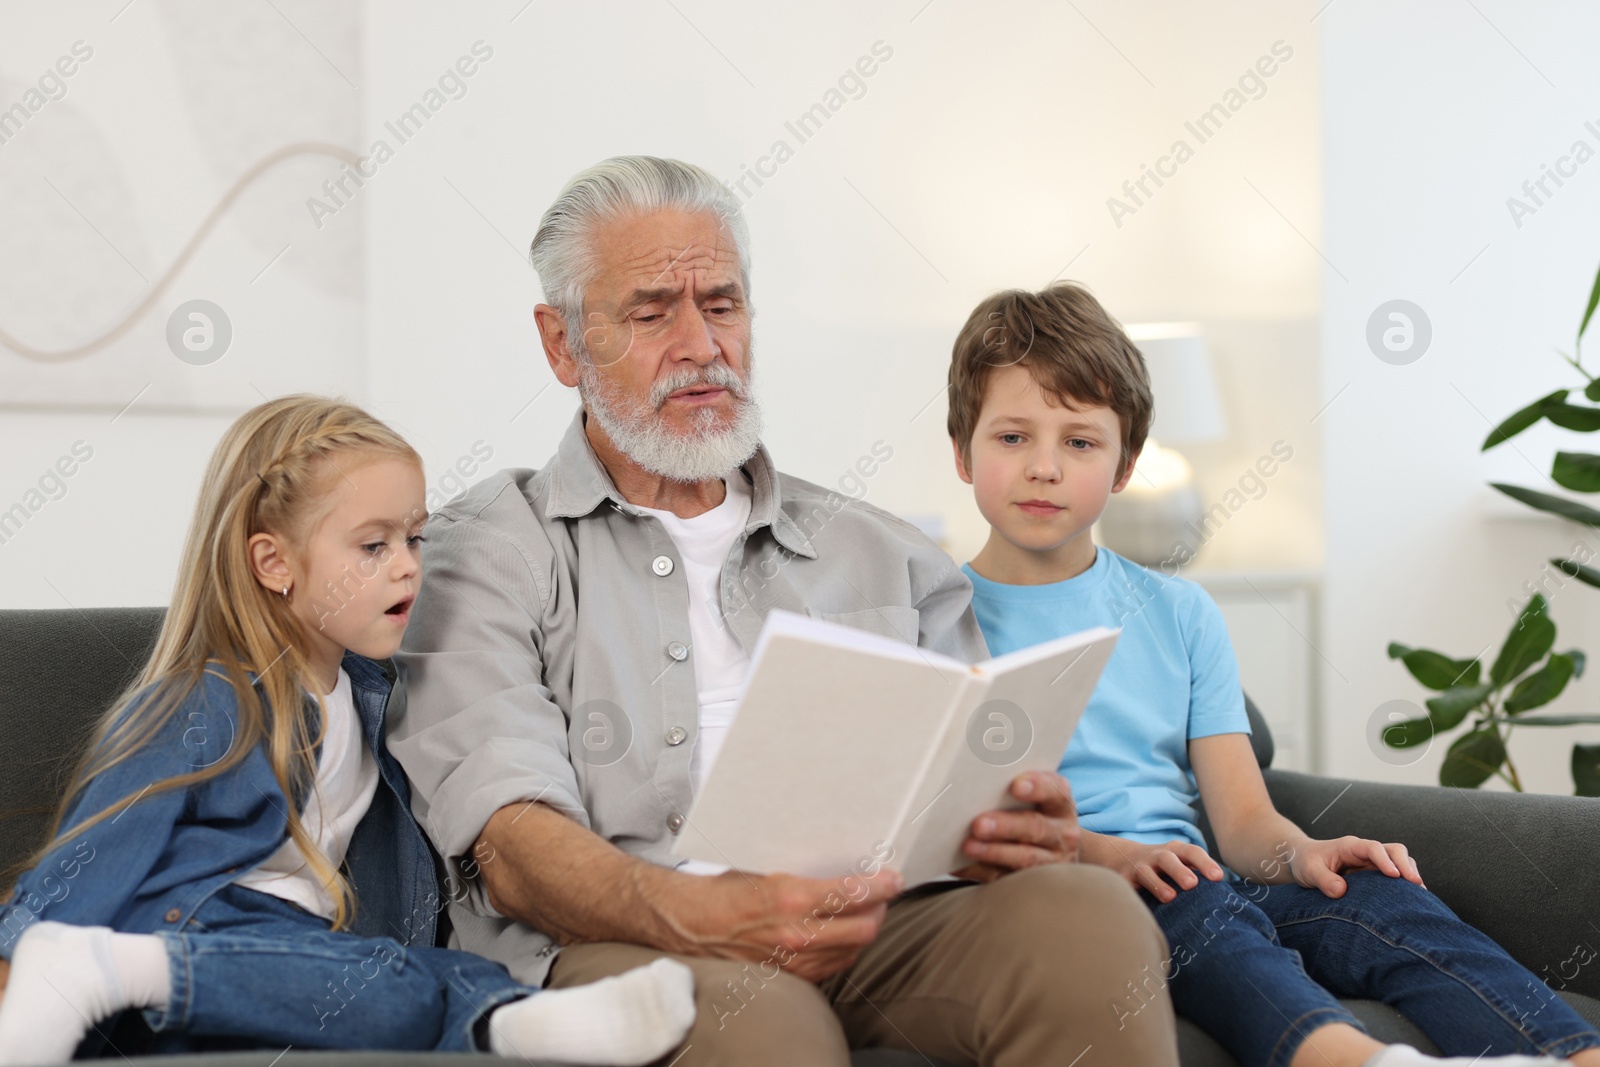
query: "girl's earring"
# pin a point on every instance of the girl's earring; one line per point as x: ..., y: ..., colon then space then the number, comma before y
x: 285, y: 590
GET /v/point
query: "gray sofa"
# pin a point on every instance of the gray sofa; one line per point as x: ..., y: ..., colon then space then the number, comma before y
x: 1521, y: 868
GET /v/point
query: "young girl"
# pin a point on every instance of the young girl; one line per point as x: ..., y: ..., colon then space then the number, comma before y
x: 236, y: 856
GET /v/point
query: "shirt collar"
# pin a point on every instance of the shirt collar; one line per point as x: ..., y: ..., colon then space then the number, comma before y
x: 579, y: 483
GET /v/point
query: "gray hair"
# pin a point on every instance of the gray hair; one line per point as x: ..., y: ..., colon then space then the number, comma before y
x: 562, y: 252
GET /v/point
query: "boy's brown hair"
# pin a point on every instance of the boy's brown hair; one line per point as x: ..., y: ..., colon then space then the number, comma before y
x: 1074, y: 350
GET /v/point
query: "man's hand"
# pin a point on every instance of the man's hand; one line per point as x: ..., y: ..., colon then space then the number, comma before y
x: 1316, y: 864
x: 811, y: 927
x: 541, y: 868
x: 1003, y: 841
x: 1143, y: 865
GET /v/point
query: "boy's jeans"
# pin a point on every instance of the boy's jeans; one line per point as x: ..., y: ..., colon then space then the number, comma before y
x: 253, y: 971
x: 1260, y: 967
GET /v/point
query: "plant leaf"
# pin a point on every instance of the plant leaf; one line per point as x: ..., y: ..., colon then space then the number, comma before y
x: 1472, y: 759
x: 1592, y: 390
x: 1578, y: 471
x: 1578, y: 660
x: 1556, y: 505
x: 1521, y: 420
x: 1407, y: 733
x: 1551, y: 720
x: 1573, y: 569
x: 1530, y: 639
x: 1573, y: 416
x: 1433, y: 669
x: 1542, y: 686
x: 1586, y: 769
x: 1451, y: 706
x: 1588, y: 312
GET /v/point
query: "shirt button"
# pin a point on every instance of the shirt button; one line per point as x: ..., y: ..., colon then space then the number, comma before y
x: 662, y: 565
x: 173, y: 915
x: 674, y: 822
x: 676, y: 735
x: 678, y: 651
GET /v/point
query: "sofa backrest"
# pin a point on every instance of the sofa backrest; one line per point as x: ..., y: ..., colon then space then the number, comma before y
x: 59, y: 672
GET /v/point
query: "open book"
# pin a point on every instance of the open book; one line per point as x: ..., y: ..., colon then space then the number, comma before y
x: 849, y: 749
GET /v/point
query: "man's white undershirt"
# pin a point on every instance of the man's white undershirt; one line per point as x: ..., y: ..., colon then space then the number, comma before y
x: 721, y: 665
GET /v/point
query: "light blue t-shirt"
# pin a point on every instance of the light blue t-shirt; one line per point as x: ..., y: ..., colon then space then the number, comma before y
x: 1172, y: 677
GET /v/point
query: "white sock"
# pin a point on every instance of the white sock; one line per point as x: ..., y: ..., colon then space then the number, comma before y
x: 626, y: 1020
x: 65, y: 979
x: 1406, y: 1056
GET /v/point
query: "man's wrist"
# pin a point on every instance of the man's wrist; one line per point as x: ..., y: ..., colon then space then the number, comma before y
x: 668, y: 906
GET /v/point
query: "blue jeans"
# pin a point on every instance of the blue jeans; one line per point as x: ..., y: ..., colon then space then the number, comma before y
x: 253, y: 971
x: 1260, y: 967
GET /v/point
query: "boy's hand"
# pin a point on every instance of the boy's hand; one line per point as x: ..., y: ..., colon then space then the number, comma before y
x: 1316, y: 864
x: 1004, y: 841
x: 1143, y: 865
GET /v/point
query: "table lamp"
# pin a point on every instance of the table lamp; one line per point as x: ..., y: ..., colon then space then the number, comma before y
x: 1155, y: 520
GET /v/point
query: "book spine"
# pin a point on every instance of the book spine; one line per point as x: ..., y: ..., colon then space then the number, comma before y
x: 934, y: 777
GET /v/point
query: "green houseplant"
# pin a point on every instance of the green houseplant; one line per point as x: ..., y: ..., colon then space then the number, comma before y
x: 1526, y: 674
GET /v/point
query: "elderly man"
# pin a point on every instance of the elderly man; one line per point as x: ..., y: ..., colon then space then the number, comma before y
x: 580, y: 640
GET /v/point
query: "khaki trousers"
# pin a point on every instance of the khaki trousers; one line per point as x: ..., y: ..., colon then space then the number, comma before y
x: 1037, y: 968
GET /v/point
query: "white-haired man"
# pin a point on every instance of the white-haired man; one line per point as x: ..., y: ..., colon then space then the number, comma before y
x: 580, y: 640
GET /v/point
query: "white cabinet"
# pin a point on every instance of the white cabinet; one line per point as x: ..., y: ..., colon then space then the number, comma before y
x: 1271, y: 619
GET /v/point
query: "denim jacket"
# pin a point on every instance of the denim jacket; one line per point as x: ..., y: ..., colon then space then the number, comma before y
x: 154, y: 864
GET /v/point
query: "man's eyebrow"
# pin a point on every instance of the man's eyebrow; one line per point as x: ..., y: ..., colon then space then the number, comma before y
x: 645, y: 296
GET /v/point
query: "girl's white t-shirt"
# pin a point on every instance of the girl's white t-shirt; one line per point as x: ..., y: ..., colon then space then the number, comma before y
x: 346, y: 781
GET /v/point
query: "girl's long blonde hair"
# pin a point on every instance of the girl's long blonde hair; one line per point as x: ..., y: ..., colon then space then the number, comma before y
x: 269, y: 474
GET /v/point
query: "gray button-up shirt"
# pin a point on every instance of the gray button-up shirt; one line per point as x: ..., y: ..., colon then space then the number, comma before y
x: 549, y: 656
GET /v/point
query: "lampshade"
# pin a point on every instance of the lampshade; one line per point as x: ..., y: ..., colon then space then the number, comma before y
x: 1187, y: 406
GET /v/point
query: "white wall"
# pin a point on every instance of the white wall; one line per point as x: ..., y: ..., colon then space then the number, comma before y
x: 100, y: 191
x: 1433, y: 115
x: 980, y: 156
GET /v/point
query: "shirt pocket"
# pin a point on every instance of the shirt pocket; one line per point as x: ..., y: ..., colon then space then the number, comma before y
x: 896, y: 621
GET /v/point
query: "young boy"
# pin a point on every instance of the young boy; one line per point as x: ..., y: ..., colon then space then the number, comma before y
x: 1049, y: 406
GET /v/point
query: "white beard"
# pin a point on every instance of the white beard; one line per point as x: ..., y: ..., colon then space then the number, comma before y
x: 708, y: 450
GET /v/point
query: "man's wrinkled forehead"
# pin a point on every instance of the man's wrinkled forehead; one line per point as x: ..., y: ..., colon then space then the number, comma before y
x: 646, y: 256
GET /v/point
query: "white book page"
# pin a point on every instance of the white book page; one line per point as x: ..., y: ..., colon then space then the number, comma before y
x: 830, y: 738
x: 820, y: 631
x: 1019, y: 721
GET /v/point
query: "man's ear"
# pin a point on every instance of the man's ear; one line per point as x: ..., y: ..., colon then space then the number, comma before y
x: 557, y: 344
x: 961, y: 463
x: 270, y: 563
x: 1127, y: 475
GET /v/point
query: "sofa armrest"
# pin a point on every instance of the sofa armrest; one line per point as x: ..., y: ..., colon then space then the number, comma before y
x: 1518, y: 866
